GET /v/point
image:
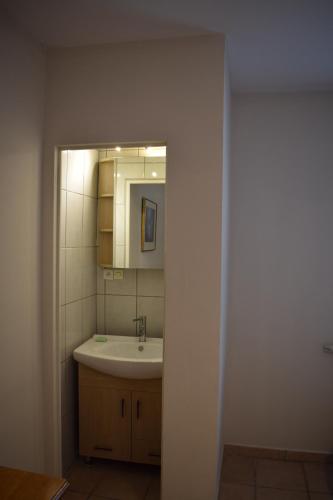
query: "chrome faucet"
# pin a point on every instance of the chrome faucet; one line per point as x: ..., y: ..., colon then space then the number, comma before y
x: 142, y: 320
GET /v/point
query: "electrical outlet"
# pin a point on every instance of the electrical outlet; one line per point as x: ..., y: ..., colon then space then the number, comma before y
x: 108, y: 274
x: 118, y: 274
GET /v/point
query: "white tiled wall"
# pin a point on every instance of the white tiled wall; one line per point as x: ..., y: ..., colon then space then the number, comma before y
x: 141, y: 292
x: 78, y: 285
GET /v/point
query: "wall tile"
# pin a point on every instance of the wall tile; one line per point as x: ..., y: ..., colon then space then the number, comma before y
x: 125, y: 154
x: 127, y: 286
x: 75, y: 171
x: 73, y: 326
x: 89, y: 221
x: 62, y: 275
x: 89, y: 317
x: 73, y: 274
x: 74, y: 220
x: 151, y: 282
x: 100, y: 314
x: 100, y: 281
x: 153, y: 308
x: 77, y: 319
x: 155, y: 170
x: 62, y: 332
x: 91, y: 173
x: 120, y: 312
x: 89, y: 269
x: 155, y: 159
x: 63, y: 170
x: 62, y: 222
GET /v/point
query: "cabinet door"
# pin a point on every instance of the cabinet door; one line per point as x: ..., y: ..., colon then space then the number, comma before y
x: 146, y: 427
x: 105, y: 422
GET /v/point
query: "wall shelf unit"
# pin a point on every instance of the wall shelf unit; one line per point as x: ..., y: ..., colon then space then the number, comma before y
x: 105, y: 213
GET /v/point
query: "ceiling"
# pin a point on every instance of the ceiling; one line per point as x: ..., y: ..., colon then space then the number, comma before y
x: 273, y: 45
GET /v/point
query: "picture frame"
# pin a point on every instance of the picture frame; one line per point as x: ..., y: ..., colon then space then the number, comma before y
x: 148, y: 225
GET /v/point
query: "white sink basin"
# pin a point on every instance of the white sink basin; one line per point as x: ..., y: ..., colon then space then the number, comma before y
x: 123, y: 356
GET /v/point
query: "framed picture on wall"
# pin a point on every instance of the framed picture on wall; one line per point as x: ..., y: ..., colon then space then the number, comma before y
x: 148, y: 225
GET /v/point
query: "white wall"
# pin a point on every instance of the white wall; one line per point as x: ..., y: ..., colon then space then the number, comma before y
x: 22, y: 96
x: 98, y: 95
x: 279, y: 383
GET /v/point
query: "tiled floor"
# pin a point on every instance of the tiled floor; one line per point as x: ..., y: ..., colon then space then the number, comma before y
x: 246, y: 478
x: 243, y: 478
x: 113, y: 480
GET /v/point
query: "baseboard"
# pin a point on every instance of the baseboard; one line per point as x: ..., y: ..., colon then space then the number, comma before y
x: 276, y: 454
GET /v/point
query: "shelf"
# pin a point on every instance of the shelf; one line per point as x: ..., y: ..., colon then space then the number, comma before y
x: 105, y: 179
x: 105, y: 249
x: 105, y: 213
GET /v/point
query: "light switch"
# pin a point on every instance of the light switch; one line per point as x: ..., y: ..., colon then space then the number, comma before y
x: 118, y: 274
x: 108, y: 274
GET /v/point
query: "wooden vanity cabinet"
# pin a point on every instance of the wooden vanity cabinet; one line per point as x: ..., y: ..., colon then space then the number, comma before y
x: 119, y: 418
x: 105, y: 422
x: 146, y: 427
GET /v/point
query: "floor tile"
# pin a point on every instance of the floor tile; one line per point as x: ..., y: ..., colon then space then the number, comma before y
x: 124, y: 483
x: 319, y: 477
x: 231, y: 491
x: 273, y: 494
x: 280, y: 474
x: 83, y: 478
x: 238, y: 469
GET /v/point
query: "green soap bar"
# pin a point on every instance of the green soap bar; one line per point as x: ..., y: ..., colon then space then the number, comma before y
x: 101, y: 339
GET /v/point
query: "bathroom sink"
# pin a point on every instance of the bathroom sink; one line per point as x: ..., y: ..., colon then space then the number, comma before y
x: 122, y: 356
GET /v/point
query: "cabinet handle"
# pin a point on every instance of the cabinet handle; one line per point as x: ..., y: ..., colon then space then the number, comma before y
x: 138, y: 409
x: 122, y: 407
x: 103, y: 449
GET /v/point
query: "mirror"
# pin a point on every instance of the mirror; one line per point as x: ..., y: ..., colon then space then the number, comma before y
x: 139, y: 197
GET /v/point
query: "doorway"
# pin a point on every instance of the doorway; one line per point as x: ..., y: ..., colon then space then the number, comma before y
x: 101, y: 290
